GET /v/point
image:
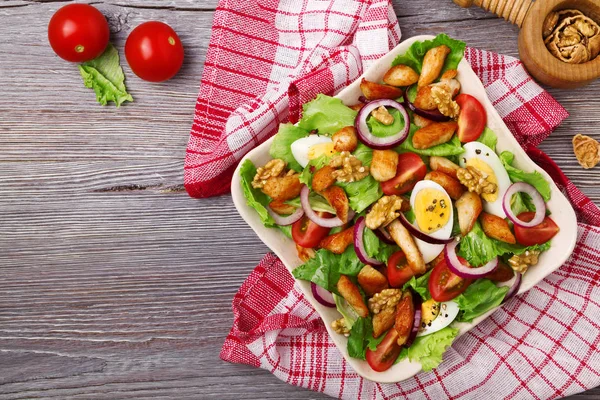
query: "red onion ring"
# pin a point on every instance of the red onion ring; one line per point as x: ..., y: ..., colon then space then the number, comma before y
x: 323, y: 296
x: 375, y: 142
x: 324, y: 222
x: 384, y: 236
x: 289, y: 220
x: 462, y: 270
x: 359, y: 244
x: 416, y: 321
x: 363, y: 99
x: 514, y: 289
x: 536, y: 197
x: 421, y: 235
x: 434, y: 115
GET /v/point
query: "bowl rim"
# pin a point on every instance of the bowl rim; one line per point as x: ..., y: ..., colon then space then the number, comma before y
x: 277, y: 241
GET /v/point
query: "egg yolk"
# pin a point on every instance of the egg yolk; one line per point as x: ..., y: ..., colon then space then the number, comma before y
x: 432, y: 209
x: 491, y: 177
x: 317, y: 150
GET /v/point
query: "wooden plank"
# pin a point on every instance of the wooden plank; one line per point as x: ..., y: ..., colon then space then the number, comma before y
x: 115, y: 283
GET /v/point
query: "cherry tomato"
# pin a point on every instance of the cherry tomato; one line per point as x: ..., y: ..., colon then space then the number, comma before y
x: 538, y: 234
x: 411, y: 169
x: 308, y: 234
x: 383, y: 357
x: 472, y: 118
x: 154, y: 51
x: 398, y: 271
x: 444, y: 285
x: 503, y: 273
x: 78, y: 32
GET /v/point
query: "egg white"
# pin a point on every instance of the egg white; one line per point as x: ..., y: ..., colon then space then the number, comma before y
x: 301, y: 147
x: 428, y: 250
x: 489, y: 156
x: 448, y: 312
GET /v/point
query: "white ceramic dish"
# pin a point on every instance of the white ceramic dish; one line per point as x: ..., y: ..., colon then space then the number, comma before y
x: 562, y: 213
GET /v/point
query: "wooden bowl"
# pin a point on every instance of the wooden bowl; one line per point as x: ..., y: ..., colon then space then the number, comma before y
x: 539, y: 61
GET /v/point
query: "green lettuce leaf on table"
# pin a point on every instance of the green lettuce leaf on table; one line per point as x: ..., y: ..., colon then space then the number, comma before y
x: 429, y: 349
x: 254, y: 197
x: 480, y: 297
x: 534, y: 178
x: 415, y: 53
x: 326, y: 114
x: 105, y: 75
x: 282, y: 142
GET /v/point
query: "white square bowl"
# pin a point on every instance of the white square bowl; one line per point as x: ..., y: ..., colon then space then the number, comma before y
x: 562, y: 213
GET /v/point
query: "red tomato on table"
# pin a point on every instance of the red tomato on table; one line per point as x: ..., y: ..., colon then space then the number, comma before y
x: 444, y: 285
x: 78, y: 32
x: 472, y: 118
x: 411, y: 169
x: 154, y: 51
x: 538, y: 234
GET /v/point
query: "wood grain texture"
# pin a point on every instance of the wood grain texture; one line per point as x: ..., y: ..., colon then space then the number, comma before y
x: 115, y: 284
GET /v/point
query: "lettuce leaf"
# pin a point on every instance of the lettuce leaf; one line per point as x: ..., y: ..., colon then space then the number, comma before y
x: 363, y: 193
x: 364, y: 153
x: 348, y: 262
x: 419, y: 285
x: 429, y: 349
x: 380, y: 130
x: 312, y: 166
x: 489, y: 138
x: 105, y: 75
x: 287, y: 230
x: 478, y: 249
x: 415, y: 53
x: 534, y: 178
x: 326, y: 114
x: 349, y: 314
x: 376, y: 248
x: 317, y: 202
x: 323, y: 270
x: 281, y: 146
x: 254, y: 197
x: 358, y: 340
x: 480, y: 297
x: 451, y: 148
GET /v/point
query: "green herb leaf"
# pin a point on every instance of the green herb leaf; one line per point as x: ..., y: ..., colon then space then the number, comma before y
x: 105, y: 75
x: 480, y: 297
x: 326, y: 114
x: 281, y: 146
x: 254, y: 197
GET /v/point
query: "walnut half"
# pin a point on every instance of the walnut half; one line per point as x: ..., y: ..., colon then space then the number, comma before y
x: 272, y: 169
x: 384, y: 211
x: 587, y: 150
x: 520, y: 263
x: 476, y: 181
x: 348, y: 168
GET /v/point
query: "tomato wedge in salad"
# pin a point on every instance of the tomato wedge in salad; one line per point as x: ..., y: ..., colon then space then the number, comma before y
x: 444, y: 285
x: 386, y: 353
x: 538, y: 234
x: 307, y: 234
x: 411, y: 169
x: 398, y: 271
x: 472, y: 118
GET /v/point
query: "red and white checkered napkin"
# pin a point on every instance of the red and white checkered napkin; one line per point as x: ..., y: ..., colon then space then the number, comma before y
x: 265, y: 59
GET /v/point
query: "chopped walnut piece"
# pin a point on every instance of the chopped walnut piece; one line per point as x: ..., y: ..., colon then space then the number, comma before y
x: 476, y: 181
x: 520, y: 263
x: 384, y: 211
x: 272, y: 169
x: 384, y: 299
x: 442, y: 97
x: 348, y: 168
x: 339, y: 326
x: 382, y: 115
x: 587, y: 150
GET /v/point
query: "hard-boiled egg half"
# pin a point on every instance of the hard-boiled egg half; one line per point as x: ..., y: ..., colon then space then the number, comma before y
x: 311, y: 147
x: 436, y: 316
x: 434, y: 216
x: 484, y: 159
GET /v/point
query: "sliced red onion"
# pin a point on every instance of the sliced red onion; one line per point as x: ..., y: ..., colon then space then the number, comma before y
x: 536, y: 197
x: 384, y: 236
x: 323, y: 296
x: 324, y: 222
x: 376, y: 142
x: 514, y: 289
x: 359, y: 244
x: 434, y: 115
x: 465, y: 271
x: 416, y: 320
x: 363, y: 99
x: 421, y: 235
x: 290, y: 219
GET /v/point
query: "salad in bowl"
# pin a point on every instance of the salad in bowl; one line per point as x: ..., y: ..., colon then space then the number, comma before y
x: 407, y: 220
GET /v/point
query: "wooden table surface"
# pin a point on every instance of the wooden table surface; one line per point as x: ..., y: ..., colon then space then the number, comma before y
x: 115, y: 284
